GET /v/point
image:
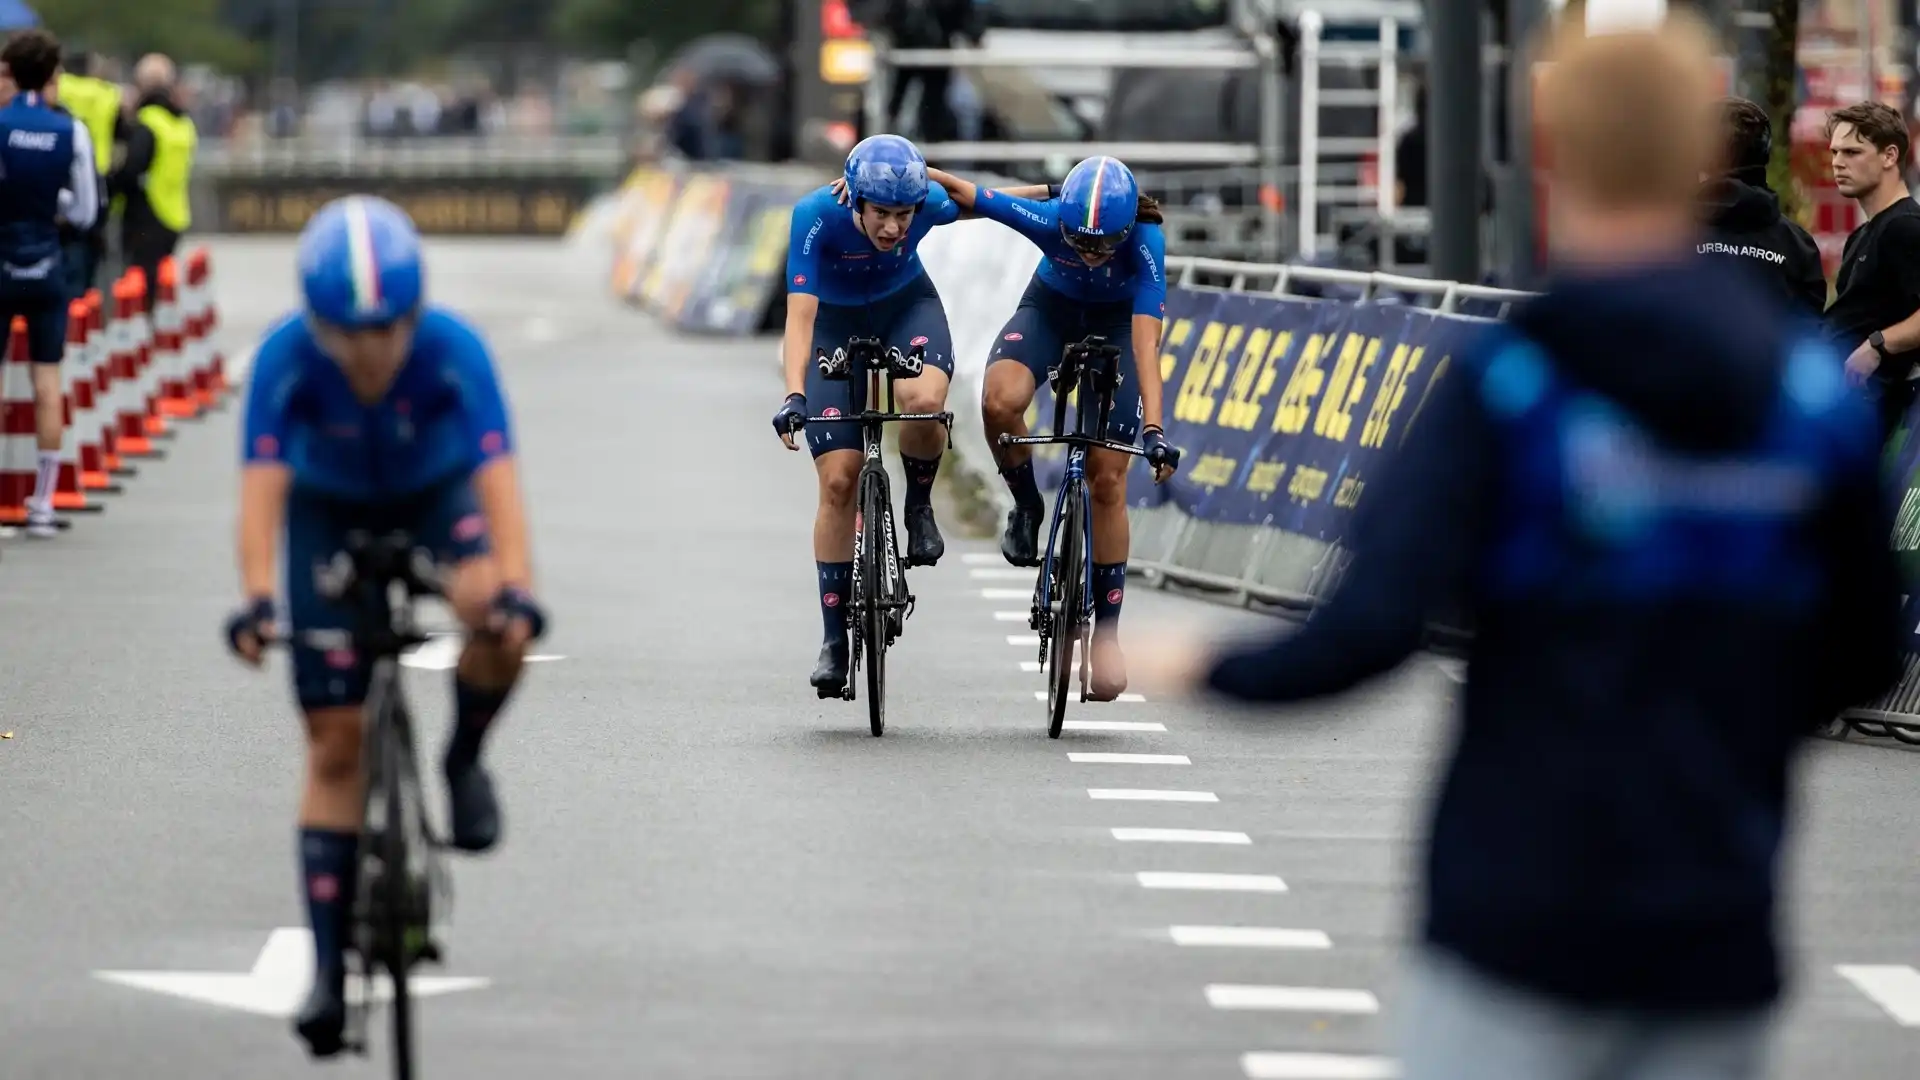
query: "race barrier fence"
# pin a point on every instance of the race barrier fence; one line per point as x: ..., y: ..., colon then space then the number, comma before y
x: 129, y: 378
x: 1286, y: 387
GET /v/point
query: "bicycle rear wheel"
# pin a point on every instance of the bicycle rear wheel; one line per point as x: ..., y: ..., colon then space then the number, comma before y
x: 1069, y: 587
x: 874, y: 612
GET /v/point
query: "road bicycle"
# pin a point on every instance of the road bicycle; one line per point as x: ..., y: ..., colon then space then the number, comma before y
x: 402, y: 871
x: 1062, y: 612
x: 879, y: 604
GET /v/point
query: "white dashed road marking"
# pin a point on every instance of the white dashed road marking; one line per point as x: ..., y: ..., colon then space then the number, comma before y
x: 1008, y: 573
x: 984, y: 558
x: 1316, y: 999
x: 1110, y: 725
x: 1160, y: 879
x: 1318, y: 1067
x: 1149, y: 795
x: 1012, y: 616
x: 1005, y: 594
x: 1893, y: 987
x: 1248, y: 937
x: 1129, y: 759
x: 1029, y: 666
x: 1181, y: 836
x: 1130, y: 699
x: 1025, y: 639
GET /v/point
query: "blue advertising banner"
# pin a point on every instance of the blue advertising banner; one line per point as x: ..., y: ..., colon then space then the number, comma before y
x: 1284, y: 408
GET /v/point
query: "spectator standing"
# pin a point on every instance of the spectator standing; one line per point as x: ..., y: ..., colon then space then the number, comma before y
x: 1744, y: 225
x: 1659, y: 505
x: 156, y: 177
x: 1875, y: 315
x: 96, y: 103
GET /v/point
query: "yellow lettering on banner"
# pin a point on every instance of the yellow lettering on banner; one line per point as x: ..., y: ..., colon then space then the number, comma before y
x: 1296, y: 401
x: 1205, y: 373
x: 1175, y: 337
x: 1264, y: 479
x: 1347, y: 496
x: 1308, y: 484
x: 1212, y: 471
x: 1242, y: 409
x: 1336, y: 409
x: 1393, y: 389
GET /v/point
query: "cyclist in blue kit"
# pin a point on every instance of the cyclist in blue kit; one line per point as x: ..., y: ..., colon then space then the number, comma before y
x: 1102, y: 271
x: 854, y: 271
x: 371, y: 410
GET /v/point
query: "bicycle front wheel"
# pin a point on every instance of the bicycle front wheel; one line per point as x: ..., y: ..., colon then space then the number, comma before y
x: 1069, y: 575
x: 875, y: 612
x: 396, y: 900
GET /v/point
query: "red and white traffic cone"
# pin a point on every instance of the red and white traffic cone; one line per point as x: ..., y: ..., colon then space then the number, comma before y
x: 129, y: 397
x: 85, y: 433
x: 19, y: 443
x: 200, y: 266
x: 152, y: 420
x: 103, y: 334
x: 176, y: 400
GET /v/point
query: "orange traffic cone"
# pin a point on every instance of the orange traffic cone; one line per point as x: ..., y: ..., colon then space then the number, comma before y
x: 80, y: 450
x: 129, y: 398
x: 19, y: 448
x: 176, y: 399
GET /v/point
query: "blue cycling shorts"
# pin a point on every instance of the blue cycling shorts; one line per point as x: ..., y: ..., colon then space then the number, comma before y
x: 912, y: 316
x: 1047, y: 322
x: 445, y: 520
x: 43, y: 304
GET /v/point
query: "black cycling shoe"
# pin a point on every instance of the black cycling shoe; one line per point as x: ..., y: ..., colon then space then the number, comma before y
x: 474, y: 812
x: 830, y: 674
x: 924, y: 542
x: 322, y: 1020
x: 1020, y: 541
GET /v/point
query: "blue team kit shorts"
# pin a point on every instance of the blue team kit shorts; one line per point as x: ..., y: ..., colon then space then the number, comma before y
x: 912, y: 316
x: 43, y: 304
x: 1047, y: 322
x: 444, y: 519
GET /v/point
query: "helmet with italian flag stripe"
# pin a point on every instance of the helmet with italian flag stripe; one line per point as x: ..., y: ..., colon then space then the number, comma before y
x: 1098, y: 202
x: 360, y: 264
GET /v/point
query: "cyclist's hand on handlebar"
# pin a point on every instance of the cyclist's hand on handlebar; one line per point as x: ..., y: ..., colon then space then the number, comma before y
x: 515, y: 618
x: 790, y: 419
x: 839, y: 189
x: 1161, y: 454
x: 249, y: 630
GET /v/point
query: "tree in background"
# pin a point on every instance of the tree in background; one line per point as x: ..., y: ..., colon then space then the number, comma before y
x: 607, y: 27
x: 1782, y: 83
x: 190, y: 31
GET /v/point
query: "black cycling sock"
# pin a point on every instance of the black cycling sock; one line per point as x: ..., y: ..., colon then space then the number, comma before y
x: 920, y: 474
x: 1020, y: 481
x: 329, y: 865
x: 1109, y: 589
x: 473, y: 711
x: 836, y: 578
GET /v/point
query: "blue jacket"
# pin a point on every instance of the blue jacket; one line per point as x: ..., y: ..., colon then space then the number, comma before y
x: 1137, y: 271
x: 46, y: 174
x: 829, y: 257
x: 1660, y: 507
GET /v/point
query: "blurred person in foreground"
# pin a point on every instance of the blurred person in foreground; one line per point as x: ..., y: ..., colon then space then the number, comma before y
x: 1876, y: 307
x: 1742, y: 214
x: 157, y: 172
x: 1657, y: 501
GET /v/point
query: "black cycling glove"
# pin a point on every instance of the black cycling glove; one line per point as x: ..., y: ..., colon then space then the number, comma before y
x: 1160, y: 452
x: 792, y: 415
x: 254, y: 620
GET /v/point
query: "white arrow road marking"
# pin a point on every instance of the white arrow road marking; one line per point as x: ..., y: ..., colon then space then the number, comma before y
x: 278, y: 983
x: 442, y: 653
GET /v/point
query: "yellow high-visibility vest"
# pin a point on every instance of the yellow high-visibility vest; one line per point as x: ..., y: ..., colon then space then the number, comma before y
x: 96, y: 103
x: 174, y: 141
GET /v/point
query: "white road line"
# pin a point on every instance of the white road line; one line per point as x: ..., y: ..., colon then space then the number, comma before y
x: 1012, y: 616
x: 1318, y: 1067
x: 1317, y: 999
x: 1113, y: 725
x: 1027, y: 665
x: 1161, y: 879
x: 1007, y: 573
x: 1181, y: 836
x: 1150, y: 795
x: 1029, y: 640
x: 1005, y: 594
x: 983, y: 558
x: 1248, y: 937
x: 1129, y: 759
x: 1130, y: 699
x: 1893, y: 987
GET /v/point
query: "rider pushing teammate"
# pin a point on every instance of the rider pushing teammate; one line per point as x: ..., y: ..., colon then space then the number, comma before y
x: 857, y: 273
x: 371, y: 410
x: 1102, y: 271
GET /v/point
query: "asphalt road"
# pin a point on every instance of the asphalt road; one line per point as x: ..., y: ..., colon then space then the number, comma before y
x: 708, y: 872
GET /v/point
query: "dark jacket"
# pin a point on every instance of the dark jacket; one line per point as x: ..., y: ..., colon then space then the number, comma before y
x: 1674, y: 548
x: 129, y: 179
x: 1744, y: 224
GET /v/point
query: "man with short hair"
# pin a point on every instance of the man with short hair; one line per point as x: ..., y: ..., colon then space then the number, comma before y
x: 47, y: 183
x: 1744, y: 225
x: 158, y: 168
x: 1876, y: 311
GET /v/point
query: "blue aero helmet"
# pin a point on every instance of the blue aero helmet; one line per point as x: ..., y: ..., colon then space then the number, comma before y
x: 887, y: 170
x: 360, y: 264
x: 1098, y: 203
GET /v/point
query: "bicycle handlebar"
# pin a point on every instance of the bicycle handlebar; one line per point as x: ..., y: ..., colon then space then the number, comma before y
x: 1072, y: 440
x: 871, y: 417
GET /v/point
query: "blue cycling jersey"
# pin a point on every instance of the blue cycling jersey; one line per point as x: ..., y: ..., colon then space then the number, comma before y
x: 829, y: 257
x: 443, y: 417
x: 1137, y: 271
